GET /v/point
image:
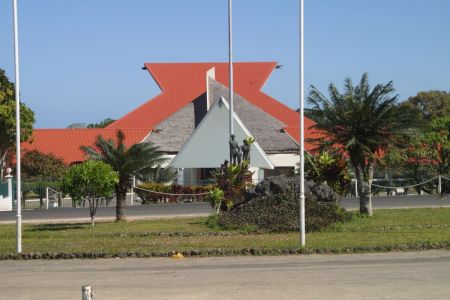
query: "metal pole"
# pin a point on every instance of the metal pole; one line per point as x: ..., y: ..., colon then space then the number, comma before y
x: 18, y: 175
x: 230, y: 66
x: 302, y: 138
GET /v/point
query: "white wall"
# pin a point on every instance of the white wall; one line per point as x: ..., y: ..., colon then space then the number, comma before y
x: 285, y: 160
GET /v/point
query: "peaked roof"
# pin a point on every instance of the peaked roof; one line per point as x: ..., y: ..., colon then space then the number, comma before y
x: 66, y: 143
x: 180, y: 83
x: 175, y: 130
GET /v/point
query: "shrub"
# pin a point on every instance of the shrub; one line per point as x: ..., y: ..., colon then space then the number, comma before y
x: 212, y: 221
x: 330, y: 168
x: 274, y: 207
x: 233, y: 180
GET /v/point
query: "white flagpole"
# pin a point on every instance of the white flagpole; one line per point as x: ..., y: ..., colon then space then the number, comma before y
x: 302, y: 137
x: 18, y: 175
x: 230, y: 66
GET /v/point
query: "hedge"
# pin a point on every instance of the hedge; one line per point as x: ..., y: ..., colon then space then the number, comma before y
x: 180, y: 193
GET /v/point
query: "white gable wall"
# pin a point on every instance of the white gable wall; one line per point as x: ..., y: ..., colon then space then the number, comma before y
x: 208, y: 146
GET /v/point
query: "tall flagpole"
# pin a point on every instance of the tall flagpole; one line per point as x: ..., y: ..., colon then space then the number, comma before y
x: 18, y: 175
x: 230, y: 66
x: 302, y: 137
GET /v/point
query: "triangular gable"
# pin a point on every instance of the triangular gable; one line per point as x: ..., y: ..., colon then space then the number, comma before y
x: 208, y: 147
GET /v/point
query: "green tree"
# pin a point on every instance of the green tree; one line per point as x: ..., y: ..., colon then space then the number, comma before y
x: 36, y: 164
x: 429, y: 105
x: 428, y: 154
x: 139, y: 160
x: 361, y: 124
x: 8, y: 119
x: 102, y: 124
x: 91, y: 180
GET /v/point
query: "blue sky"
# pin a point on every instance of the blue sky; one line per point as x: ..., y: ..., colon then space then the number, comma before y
x: 81, y: 60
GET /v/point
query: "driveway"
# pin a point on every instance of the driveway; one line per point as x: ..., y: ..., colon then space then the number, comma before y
x: 405, y: 275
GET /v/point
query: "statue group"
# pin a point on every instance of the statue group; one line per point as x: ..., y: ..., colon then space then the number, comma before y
x: 239, y: 154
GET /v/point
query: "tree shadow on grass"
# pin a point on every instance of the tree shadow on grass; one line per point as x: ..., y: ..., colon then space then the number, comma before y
x: 56, y: 227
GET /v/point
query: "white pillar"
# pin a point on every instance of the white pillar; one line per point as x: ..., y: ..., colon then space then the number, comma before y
x: 439, y: 184
x: 18, y: 157
x: 87, y: 293
x: 10, y: 197
x: 180, y: 176
x: 302, y: 138
x: 230, y: 66
x: 46, y: 197
x: 132, y: 191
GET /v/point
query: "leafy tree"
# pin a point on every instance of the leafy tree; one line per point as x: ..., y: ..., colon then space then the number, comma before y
x: 329, y: 168
x: 361, y: 124
x: 76, y: 125
x: 90, y: 180
x: 36, y: 164
x: 8, y: 119
x: 429, y: 105
x: 428, y: 154
x: 139, y: 160
x: 102, y: 124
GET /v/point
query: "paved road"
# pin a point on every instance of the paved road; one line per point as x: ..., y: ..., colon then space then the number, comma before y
x: 133, y: 212
x: 413, y: 275
x: 196, y: 209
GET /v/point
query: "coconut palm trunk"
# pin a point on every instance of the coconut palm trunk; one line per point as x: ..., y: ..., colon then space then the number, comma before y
x: 121, y: 194
x: 364, y: 191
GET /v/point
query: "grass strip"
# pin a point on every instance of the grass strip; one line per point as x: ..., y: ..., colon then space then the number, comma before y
x: 387, y: 230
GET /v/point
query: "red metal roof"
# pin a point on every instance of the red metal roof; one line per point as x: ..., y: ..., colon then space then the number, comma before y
x: 294, y: 132
x: 66, y: 143
x: 181, y: 83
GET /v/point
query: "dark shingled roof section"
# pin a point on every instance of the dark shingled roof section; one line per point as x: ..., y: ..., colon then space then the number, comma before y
x: 172, y: 133
x: 266, y: 129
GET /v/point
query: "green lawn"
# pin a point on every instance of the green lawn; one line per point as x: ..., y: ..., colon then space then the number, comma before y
x: 387, y: 229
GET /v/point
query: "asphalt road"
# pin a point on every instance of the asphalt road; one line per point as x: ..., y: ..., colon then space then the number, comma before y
x: 196, y: 209
x: 403, y: 275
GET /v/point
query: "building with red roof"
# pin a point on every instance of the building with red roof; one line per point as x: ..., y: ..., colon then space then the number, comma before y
x: 188, y: 90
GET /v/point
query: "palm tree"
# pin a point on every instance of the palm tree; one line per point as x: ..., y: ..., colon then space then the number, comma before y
x: 139, y: 160
x: 361, y: 124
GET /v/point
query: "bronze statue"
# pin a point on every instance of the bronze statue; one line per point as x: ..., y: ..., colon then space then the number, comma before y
x: 246, y: 151
x: 235, y: 151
